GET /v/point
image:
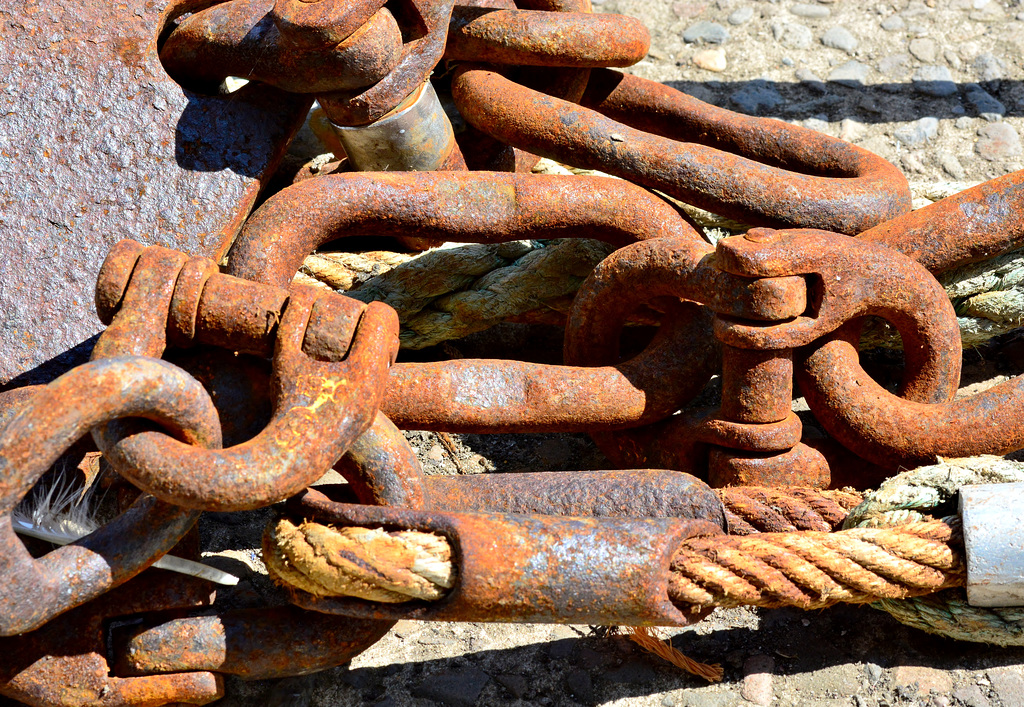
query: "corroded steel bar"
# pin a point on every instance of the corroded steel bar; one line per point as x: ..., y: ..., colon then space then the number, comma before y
x: 65, y: 662
x: 240, y: 38
x: 894, y: 432
x: 46, y: 424
x: 481, y: 395
x: 549, y: 39
x: 634, y: 493
x: 255, y: 644
x: 782, y: 175
x: 973, y: 225
x: 530, y: 568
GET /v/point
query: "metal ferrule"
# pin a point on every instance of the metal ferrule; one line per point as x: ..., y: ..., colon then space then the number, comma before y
x: 417, y: 137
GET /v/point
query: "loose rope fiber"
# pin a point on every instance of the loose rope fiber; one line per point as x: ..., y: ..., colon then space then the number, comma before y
x: 909, y: 498
x: 457, y: 289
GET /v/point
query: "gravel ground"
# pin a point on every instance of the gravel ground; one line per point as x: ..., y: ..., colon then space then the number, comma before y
x: 935, y: 88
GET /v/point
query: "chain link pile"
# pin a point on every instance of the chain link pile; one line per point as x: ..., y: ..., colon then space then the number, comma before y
x: 268, y: 384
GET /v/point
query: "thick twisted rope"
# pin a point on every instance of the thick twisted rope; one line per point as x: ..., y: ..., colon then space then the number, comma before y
x: 755, y: 509
x: 909, y: 498
x: 814, y: 570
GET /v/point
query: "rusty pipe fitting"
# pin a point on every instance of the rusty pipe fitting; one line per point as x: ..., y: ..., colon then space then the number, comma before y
x: 529, y: 568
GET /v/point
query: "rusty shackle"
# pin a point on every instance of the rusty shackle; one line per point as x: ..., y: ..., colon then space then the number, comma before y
x: 330, y: 359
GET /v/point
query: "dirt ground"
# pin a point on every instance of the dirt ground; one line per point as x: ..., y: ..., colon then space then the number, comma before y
x: 934, y: 87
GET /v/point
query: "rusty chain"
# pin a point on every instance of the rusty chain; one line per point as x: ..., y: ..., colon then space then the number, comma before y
x: 322, y: 387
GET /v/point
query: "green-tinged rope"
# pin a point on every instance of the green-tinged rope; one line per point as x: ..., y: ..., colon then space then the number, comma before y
x: 449, y: 292
x: 917, y: 495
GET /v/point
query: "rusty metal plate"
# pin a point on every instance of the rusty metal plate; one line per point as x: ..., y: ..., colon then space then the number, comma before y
x: 97, y: 144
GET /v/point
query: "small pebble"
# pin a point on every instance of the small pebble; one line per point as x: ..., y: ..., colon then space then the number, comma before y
x: 997, y: 141
x: 913, y: 164
x: 934, y: 80
x: 918, y: 132
x: 821, y: 125
x: 971, y: 696
x: 740, y: 15
x: 874, y: 672
x: 711, y: 60
x: 840, y: 38
x: 851, y: 130
x: 803, y: 9
x: 963, y: 123
x: 988, y: 67
x: 895, y: 66
x: 984, y: 103
x: 792, y: 35
x: 924, y: 49
x: 1008, y: 681
x: 951, y: 165
x: 757, y: 679
x: 925, y: 679
x: 894, y: 23
x: 811, y: 80
x: 704, y: 31
x: 852, y: 73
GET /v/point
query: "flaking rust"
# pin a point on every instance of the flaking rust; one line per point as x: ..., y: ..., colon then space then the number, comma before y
x: 99, y: 144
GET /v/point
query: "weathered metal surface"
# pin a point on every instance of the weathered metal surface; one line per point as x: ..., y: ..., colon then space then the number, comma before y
x: 255, y: 644
x: 973, y: 225
x: 550, y: 39
x: 895, y: 432
x: 99, y: 144
x: 241, y: 38
x: 330, y: 357
x: 634, y: 493
x: 381, y: 467
x: 487, y: 207
x: 425, y: 25
x: 993, y: 544
x: 65, y: 662
x: 759, y: 172
x: 46, y: 424
x: 532, y: 568
x: 416, y: 137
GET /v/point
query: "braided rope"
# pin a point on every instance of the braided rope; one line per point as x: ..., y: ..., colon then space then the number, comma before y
x: 458, y: 289
x: 754, y: 509
x: 806, y: 569
x: 907, y: 498
x: 814, y: 570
